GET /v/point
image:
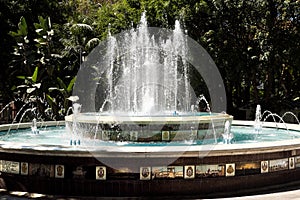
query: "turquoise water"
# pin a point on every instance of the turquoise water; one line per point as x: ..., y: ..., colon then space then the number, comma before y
x: 59, y: 136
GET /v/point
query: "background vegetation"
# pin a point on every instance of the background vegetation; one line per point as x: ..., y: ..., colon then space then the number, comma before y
x: 255, y: 45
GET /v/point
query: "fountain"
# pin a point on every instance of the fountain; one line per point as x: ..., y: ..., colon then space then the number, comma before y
x: 139, y: 129
x: 144, y: 90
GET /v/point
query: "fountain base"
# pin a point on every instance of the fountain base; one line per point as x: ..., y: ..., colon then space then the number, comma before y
x: 154, y: 128
x: 199, y: 171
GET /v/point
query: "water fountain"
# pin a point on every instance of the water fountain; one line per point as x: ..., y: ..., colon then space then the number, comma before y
x: 146, y: 90
x: 143, y: 133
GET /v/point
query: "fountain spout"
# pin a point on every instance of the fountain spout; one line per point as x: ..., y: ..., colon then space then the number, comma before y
x: 75, y: 140
x: 34, y: 128
x: 257, y: 122
x: 227, y: 136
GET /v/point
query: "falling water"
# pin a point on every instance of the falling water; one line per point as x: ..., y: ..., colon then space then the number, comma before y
x: 75, y: 140
x: 19, y: 112
x: 273, y: 115
x: 257, y: 121
x: 227, y: 136
x: 69, y: 110
x: 34, y: 128
x: 202, y: 98
x: 292, y: 114
x: 6, y: 106
x: 153, y: 75
x: 260, y: 119
x: 267, y: 113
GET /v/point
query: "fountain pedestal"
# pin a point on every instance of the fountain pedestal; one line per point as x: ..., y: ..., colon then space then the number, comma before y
x: 154, y: 128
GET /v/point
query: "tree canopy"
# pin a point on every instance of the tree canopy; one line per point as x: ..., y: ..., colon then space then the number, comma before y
x: 255, y: 45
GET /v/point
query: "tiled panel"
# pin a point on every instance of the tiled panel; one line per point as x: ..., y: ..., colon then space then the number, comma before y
x: 230, y: 169
x: 278, y: 164
x: 145, y: 173
x: 247, y: 168
x: 37, y: 169
x: 24, y: 168
x: 189, y: 171
x: 100, y: 173
x: 264, y: 166
x: 11, y: 167
x: 292, y: 163
x: 210, y: 170
x: 59, y: 171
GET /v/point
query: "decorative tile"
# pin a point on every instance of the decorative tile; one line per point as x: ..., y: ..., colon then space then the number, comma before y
x: 189, y: 171
x: 105, y: 135
x: 79, y: 172
x: 24, y: 168
x: 133, y: 135
x: 10, y: 167
x: 165, y: 135
x: 247, y: 168
x: 59, y: 171
x: 169, y: 172
x: 177, y: 170
x: 194, y: 134
x: 100, y: 173
x: 297, y: 161
x: 264, y: 166
x: 36, y: 169
x: 230, y: 169
x: 210, y: 170
x: 292, y: 163
x: 145, y: 173
x: 278, y: 165
x: 160, y: 172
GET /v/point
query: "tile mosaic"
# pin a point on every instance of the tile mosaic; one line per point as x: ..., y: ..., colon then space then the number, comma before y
x: 297, y: 161
x: 145, y: 173
x: 292, y: 163
x: 264, y: 166
x: 79, y: 172
x: 37, y: 169
x: 160, y: 172
x: 59, y: 171
x: 165, y: 135
x: 247, y: 168
x: 189, y: 171
x: 24, y: 168
x: 278, y: 164
x: 100, y: 173
x: 210, y: 170
x: 230, y: 169
x: 133, y: 135
x: 11, y: 167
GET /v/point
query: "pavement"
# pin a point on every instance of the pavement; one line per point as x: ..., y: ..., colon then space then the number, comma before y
x: 290, y: 195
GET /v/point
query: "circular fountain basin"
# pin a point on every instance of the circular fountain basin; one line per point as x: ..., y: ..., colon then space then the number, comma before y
x: 174, y: 118
x: 117, y: 169
x: 147, y: 128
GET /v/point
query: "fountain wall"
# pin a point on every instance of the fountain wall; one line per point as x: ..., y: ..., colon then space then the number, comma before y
x: 224, y: 170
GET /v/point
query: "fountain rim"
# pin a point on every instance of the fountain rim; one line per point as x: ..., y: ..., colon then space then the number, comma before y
x: 155, y: 151
x: 145, y: 119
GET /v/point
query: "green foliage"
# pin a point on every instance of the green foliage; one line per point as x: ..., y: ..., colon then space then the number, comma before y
x: 22, y: 31
x: 255, y: 44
